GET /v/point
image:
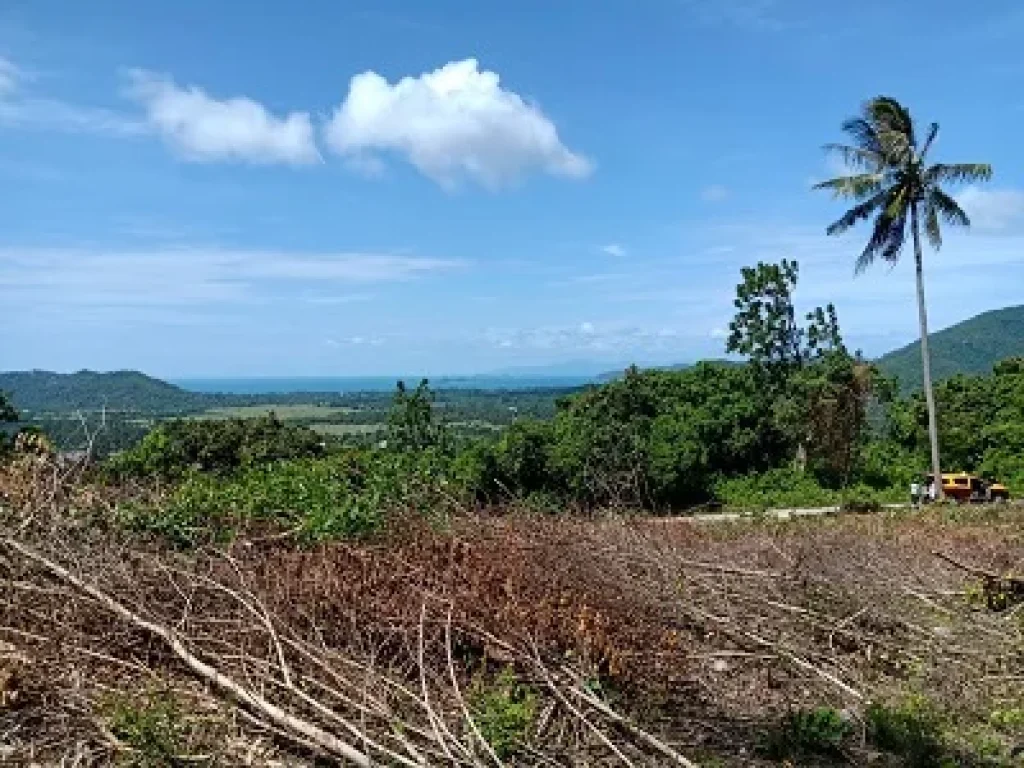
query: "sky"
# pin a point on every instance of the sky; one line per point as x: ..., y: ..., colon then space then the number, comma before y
x: 377, y: 187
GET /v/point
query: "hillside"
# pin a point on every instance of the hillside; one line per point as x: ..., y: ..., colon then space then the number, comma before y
x: 45, y: 391
x: 972, y: 346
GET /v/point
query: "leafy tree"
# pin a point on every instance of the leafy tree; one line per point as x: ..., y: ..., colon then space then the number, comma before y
x: 412, y: 423
x: 819, y: 393
x: 895, y: 185
x: 662, y: 437
x: 765, y: 329
x: 8, y: 415
x: 7, y: 411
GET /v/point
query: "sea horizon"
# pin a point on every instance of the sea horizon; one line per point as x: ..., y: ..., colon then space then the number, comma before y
x: 265, y: 385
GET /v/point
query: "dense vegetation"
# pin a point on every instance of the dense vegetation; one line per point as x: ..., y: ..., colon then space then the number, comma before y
x: 803, y: 422
x: 970, y: 347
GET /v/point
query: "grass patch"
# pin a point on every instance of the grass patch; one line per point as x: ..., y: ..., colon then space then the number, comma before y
x: 153, y: 728
x: 820, y: 731
x: 504, y: 710
x: 913, y: 730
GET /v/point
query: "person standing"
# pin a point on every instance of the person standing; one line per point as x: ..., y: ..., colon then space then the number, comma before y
x: 915, y: 494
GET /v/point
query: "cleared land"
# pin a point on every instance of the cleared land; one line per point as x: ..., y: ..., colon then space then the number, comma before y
x: 708, y: 638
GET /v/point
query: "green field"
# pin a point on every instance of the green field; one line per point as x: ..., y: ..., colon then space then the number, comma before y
x: 283, y: 412
x: 346, y: 429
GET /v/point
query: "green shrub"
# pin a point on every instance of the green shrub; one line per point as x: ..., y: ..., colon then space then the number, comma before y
x: 818, y: 731
x: 912, y: 730
x: 774, y: 488
x: 504, y: 710
x: 346, y: 496
x: 154, y: 728
x: 175, y: 448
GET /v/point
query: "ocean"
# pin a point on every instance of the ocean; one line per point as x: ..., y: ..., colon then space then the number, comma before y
x: 342, y: 384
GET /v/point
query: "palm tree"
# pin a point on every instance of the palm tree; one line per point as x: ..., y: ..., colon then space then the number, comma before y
x: 892, y: 183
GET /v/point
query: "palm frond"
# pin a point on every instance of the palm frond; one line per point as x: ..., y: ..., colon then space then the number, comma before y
x: 948, y: 208
x: 895, y: 237
x: 893, y: 127
x: 857, y: 213
x: 933, y: 131
x: 887, y: 115
x: 856, y: 187
x: 888, y: 233
x: 931, y: 225
x: 863, y: 134
x: 958, y: 173
x: 856, y: 157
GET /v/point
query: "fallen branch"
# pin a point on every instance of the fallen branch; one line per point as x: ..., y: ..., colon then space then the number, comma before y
x: 306, y: 731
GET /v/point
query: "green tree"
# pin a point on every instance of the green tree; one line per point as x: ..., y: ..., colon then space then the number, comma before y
x: 893, y: 184
x: 412, y: 423
x: 765, y: 329
x: 8, y: 415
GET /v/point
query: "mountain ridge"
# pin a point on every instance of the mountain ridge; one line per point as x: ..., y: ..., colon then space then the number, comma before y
x: 971, y: 346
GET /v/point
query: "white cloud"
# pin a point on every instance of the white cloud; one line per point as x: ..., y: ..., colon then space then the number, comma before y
x: 9, y: 76
x: 993, y: 210
x: 614, y: 249
x: 25, y: 110
x: 714, y: 193
x: 189, y: 277
x: 203, y: 129
x: 454, y: 122
x: 355, y: 341
x: 56, y: 115
x: 590, y: 338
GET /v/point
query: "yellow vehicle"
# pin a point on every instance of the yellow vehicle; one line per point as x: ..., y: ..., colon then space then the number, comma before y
x: 963, y: 487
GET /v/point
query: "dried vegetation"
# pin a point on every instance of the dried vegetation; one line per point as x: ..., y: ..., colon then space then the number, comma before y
x: 507, y: 640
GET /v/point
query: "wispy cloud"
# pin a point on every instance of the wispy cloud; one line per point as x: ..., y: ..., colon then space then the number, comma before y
x: 591, y: 338
x: 23, y: 109
x: 9, y: 76
x: 614, y: 249
x: 191, y: 277
x: 453, y: 123
x: 756, y: 15
x: 993, y: 210
x: 714, y: 193
x: 203, y: 128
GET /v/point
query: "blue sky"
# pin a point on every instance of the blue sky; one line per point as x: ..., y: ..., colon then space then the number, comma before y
x: 453, y: 187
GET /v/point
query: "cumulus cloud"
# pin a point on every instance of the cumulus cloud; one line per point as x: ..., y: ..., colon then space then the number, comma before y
x: 613, y: 249
x: 714, y: 193
x: 202, y: 128
x: 993, y: 210
x: 452, y: 123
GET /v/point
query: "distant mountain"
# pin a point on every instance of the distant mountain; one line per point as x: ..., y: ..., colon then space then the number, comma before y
x: 45, y: 391
x: 973, y: 346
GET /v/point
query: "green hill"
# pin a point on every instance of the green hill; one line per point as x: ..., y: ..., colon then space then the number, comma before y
x: 45, y: 391
x: 973, y: 346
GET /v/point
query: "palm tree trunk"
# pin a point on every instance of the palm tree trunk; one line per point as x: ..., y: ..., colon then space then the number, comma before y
x: 926, y: 360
